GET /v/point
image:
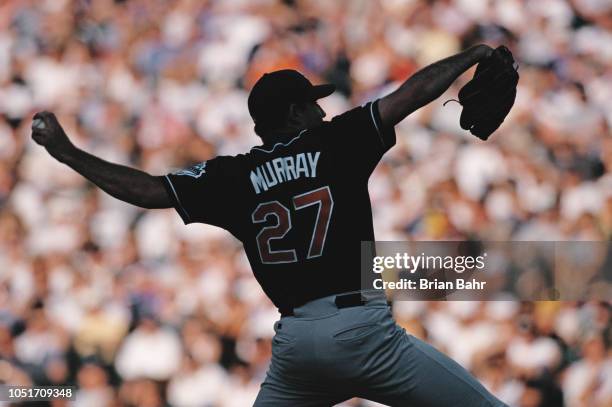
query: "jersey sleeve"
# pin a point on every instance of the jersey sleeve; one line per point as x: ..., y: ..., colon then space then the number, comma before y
x: 200, y: 193
x: 359, y: 133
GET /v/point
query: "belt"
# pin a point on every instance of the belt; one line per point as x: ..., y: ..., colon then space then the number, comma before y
x: 347, y: 300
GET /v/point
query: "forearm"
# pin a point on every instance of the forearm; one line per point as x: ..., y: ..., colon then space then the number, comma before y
x: 127, y: 184
x: 427, y: 84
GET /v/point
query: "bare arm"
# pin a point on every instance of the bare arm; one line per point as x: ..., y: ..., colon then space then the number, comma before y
x: 127, y: 184
x: 428, y: 84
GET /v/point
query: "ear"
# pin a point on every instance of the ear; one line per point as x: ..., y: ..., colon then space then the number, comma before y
x: 295, y: 113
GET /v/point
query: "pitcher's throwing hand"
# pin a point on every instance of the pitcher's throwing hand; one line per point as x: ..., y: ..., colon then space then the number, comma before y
x: 47, y: 132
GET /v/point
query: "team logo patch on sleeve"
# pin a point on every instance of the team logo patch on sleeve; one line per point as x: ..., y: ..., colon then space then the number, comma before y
x: 195, y: 171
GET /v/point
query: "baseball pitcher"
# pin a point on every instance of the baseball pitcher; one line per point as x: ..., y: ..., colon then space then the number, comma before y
x: 299, y: 203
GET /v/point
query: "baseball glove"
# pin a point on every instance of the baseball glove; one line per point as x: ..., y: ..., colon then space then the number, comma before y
x: 489, y: 95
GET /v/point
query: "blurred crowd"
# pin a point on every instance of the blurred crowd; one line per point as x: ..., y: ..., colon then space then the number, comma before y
x: 136, y: 309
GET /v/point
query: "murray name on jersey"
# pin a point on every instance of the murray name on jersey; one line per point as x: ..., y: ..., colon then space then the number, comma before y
x: 283, y: 169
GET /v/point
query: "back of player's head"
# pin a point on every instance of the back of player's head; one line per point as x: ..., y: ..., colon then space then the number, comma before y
x: 273, y: 94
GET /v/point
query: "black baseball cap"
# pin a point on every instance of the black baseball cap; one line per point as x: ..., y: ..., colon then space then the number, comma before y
x: 275, y: 91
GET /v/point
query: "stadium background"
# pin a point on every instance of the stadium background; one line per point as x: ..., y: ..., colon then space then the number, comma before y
x: 139, y: 310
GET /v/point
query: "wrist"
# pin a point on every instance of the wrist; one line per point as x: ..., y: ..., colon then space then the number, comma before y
x: 64, y: 154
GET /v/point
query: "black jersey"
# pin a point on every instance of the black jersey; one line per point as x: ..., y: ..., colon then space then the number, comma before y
x: 300, y: 207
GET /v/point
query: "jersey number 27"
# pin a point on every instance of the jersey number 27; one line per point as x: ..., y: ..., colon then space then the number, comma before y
x: 321, y: 197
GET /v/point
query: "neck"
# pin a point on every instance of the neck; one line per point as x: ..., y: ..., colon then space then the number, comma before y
x: 281, y: 135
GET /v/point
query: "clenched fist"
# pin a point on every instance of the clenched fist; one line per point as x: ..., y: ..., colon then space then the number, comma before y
x: 47, y: 132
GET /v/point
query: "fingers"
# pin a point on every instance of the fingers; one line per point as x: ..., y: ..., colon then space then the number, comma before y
x: 44, y: 114
x: 39, y: 135
x: 48, y: 118
x: 42, y: 123
x: 47, y: 132
x: 37, y: 138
